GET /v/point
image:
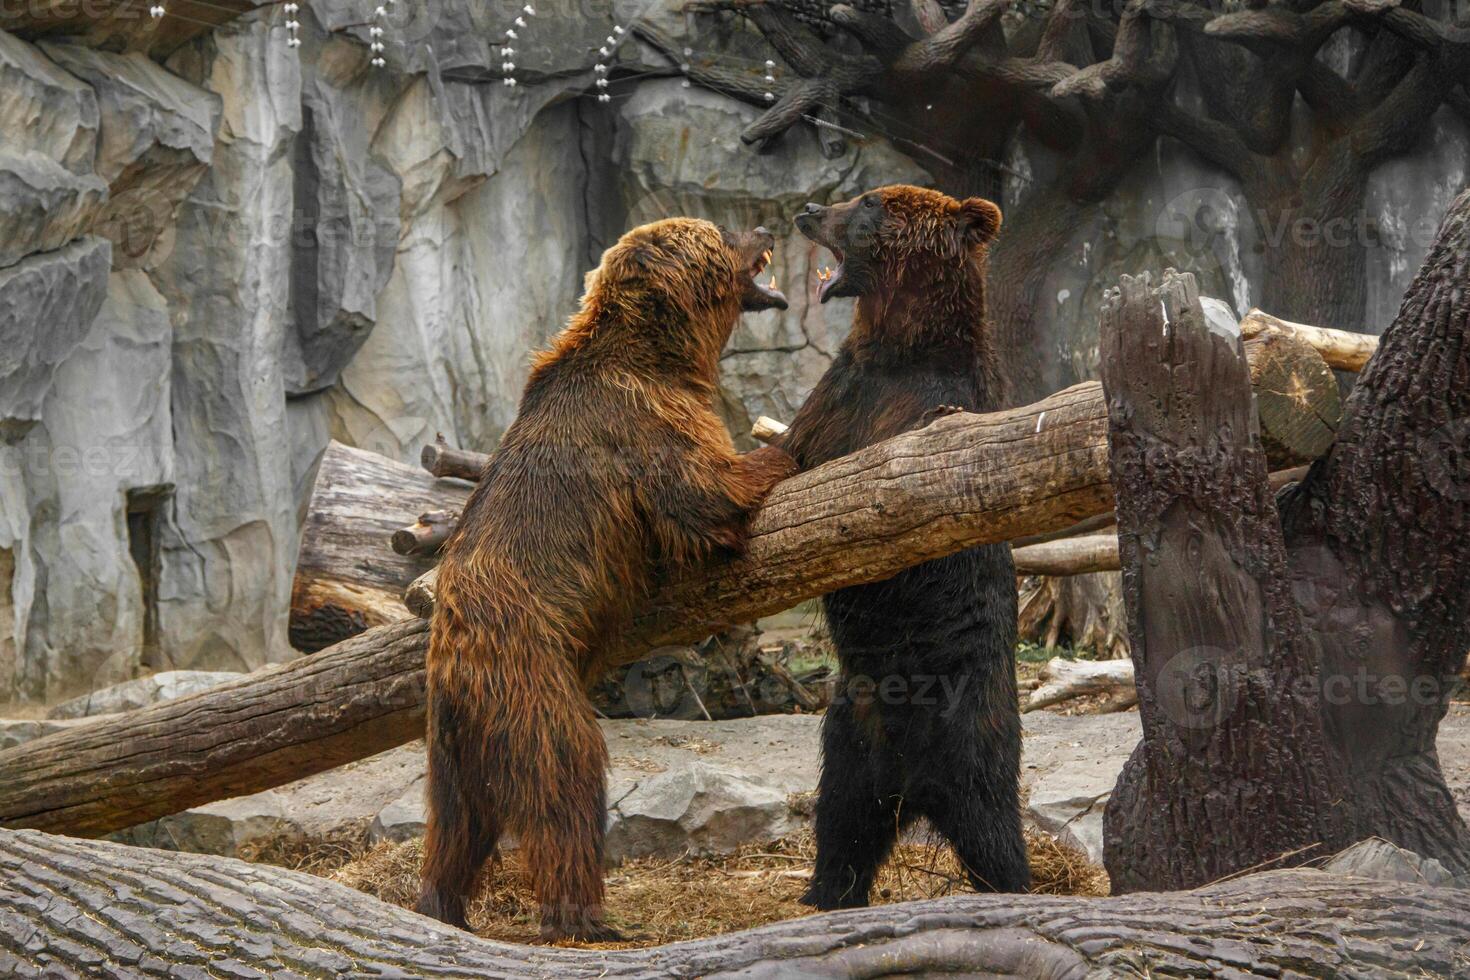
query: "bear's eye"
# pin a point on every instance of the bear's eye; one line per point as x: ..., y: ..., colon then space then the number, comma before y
x: 870, y: 202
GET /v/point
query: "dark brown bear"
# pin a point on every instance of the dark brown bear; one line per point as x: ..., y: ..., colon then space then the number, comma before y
x: 924, y: 722
x: 615, y: 470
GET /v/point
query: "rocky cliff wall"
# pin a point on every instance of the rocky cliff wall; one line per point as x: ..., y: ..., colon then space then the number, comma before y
x: 217, y: 252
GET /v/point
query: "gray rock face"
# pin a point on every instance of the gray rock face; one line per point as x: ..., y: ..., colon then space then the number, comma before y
x: 47, y: 306
x: 488, y: 269
x: 165, y: 686
x: 227, y: 550
x: 156, y: 141
x: 93, y: 470
x: 347, y: 204
x: 48, y: 193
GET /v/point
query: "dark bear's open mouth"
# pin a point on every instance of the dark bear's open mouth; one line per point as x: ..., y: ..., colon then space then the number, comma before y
x: 829, y: 277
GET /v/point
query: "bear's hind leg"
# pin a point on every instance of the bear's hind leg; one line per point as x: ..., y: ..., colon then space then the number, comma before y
x: 857, y: 821
x: 563, y: 836
x: 459, y: 837
x: 980, y: 815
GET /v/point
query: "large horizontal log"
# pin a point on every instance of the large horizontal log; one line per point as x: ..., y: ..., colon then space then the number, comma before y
x: 363, y: 696
x: 74, y: 908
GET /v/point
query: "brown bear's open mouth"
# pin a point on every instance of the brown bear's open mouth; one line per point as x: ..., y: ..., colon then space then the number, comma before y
x: 769, y: 290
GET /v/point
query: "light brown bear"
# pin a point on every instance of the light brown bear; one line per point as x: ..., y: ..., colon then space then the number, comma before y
x: 615, y: 470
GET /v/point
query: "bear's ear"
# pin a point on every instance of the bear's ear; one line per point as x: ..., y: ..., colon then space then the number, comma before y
x: 981, y: 219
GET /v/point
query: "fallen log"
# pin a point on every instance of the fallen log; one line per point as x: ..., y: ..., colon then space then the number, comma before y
x: 73, y: 908
x: 360, y: 697
x: 1063, y: 680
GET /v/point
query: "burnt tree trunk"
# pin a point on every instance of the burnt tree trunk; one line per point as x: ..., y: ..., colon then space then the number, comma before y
x: 85, y: 908
x: 1379, y: 540
x: 1234, y: 770
x: 1290, y: 708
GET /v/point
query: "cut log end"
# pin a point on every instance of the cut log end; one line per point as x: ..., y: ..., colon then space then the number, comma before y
x: 444, y: 460
x: 1297, y: 399
x: 427, y: 535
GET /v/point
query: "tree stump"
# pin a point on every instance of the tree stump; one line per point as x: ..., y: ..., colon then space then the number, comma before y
x: 1290, y: 710
x: 1233, y: 770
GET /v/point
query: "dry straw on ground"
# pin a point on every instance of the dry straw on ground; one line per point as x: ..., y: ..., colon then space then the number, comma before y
x: 655, y: 901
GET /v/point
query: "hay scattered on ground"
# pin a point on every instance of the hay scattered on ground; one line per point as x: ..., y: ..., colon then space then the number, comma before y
x: 657, y: 901
x: 320, y: 855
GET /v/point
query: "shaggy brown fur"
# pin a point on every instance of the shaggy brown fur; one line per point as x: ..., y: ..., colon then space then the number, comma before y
x: 924, y: 720
x: 615, y: 469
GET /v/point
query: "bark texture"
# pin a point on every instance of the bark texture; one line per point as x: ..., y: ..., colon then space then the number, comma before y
x: 80, y: 908
x: 346, y: 565
x: 1379, y: 539
x: 1293, y: 668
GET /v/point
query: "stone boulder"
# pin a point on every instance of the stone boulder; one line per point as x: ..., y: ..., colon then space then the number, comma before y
x: 221, y: 828
x: 403, y: 819
x: 697, y: 809
x: 164, y: 686
x: 18, y: 731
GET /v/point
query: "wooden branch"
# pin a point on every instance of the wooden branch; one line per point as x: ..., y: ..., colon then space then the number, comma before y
x: 89, y: 908
x: 1069, y: 556
x: 444, y: 460
x: 1064, y: 680
x: 426, y: 535
x: 1341, y: 349
x: 767, y: 429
